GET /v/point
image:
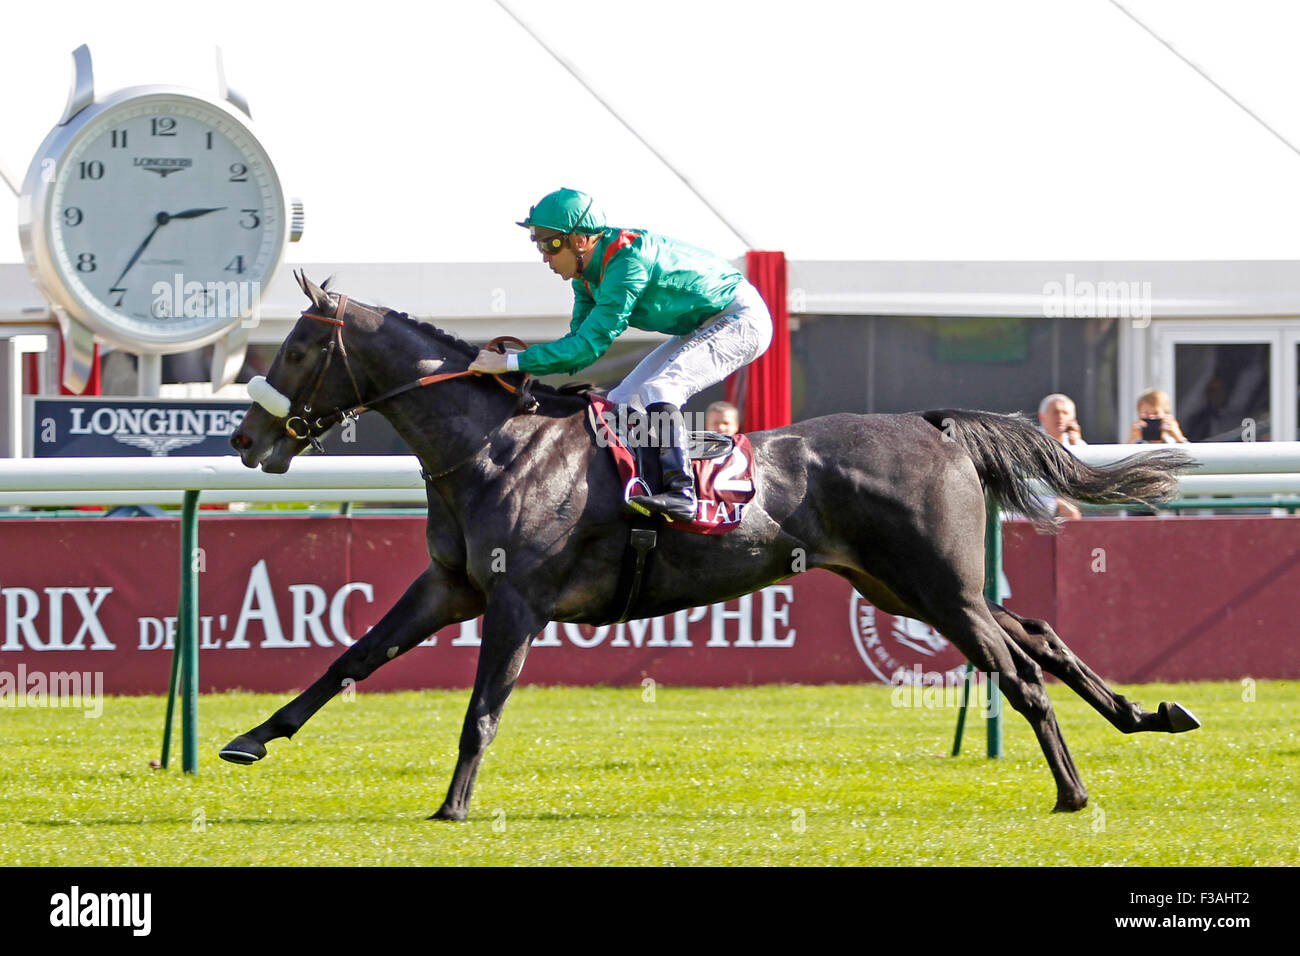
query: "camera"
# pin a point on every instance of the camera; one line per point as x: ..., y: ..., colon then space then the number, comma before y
x: 1151, y: 429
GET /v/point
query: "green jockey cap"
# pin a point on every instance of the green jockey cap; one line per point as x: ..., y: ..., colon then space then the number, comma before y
x: 566, y: 211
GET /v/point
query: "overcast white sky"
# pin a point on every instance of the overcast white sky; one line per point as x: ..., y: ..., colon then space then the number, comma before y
x: 929, y: 129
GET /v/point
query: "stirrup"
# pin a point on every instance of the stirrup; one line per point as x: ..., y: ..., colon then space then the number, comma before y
x: 627, y: 495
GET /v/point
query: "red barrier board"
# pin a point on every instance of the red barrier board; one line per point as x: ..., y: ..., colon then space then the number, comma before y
x: 1189, y: 598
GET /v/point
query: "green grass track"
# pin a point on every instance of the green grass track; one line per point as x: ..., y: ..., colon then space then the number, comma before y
x: 782, y: 775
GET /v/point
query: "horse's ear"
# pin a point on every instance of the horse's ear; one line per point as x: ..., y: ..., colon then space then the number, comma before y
x: 308, y: 287
x: 317, y: 295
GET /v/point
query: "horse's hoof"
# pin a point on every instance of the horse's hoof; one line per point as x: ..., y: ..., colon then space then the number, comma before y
x: 1180, y: 718
x: 446, y: 813
x: 1070, y: 804
x: 243, y: 749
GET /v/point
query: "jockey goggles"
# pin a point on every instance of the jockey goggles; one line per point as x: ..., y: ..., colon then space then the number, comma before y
x: 550, y: 245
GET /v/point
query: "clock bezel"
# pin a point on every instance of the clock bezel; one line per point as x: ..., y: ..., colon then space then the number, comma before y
x: 36, y: 227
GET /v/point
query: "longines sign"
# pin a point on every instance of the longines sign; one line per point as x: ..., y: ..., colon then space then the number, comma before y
x: 72, y: 427
x: 102, y: 428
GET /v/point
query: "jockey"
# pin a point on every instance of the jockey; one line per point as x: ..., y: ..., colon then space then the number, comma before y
x: 717, y: 320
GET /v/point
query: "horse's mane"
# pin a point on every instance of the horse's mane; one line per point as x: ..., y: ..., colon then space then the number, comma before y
x: 459, y: 346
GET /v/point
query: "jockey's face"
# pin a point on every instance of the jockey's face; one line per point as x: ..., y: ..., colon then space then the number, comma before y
x: 564, y: 261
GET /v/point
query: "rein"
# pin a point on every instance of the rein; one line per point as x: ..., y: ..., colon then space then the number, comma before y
x: 312, y: 430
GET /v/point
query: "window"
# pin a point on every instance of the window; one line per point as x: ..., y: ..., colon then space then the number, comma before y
x: 1226, y: 377
x: 897, y: 364
x: 1221, y: 390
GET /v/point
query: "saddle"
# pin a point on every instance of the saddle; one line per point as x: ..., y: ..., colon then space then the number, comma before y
x: 702, y: 446
x: 723, y: 466
x: 724, y: 485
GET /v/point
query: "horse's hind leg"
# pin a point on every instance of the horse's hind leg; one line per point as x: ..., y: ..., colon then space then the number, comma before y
x: 1038, y: 640
x: 974, y: 632
x: 971, y: 628
x: 435, y: 599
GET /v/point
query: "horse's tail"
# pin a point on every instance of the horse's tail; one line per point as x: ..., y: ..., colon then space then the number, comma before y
x: 1008, y: 451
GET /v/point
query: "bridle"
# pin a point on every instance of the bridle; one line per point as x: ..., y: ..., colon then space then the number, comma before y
x: 309, y: 430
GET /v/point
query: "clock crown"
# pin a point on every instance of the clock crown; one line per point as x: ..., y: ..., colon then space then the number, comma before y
x: 297, y: 220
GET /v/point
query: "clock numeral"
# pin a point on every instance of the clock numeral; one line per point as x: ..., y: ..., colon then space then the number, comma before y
x: 238, y: 173
x: 72, y: 216
x: 250, y: 220
x: 209, y: 139
x: 92, y: 170
x: 236, y: 265
x: 119, y: 139
x: 118, y: 303
x: 163, y: 126
x: 86, y: 262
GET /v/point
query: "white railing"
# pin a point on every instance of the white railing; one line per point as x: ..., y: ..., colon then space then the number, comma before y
x: 1260, y: 468
x: 1224, y: 468
x: 1218, y: 458
x: 52, y: 482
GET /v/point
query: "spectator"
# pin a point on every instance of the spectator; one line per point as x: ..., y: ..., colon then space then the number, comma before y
x: 1056, y: 418
x: 1155, y: 422
x: 723, y: 418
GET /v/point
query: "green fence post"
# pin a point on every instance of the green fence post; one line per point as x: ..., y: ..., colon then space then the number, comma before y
x: 188, y: 633
x: 961, y: 712
x: 992, y: 591
x: 171, y: 706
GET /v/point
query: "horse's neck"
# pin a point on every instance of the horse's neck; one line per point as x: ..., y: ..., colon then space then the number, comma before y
x: 448, y: 422
x: 442, y: 423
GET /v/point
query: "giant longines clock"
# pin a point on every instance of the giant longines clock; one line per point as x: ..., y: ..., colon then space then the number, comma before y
x: 153, y: 219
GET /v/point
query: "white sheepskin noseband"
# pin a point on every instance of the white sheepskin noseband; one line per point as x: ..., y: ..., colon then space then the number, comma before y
x: 264, y: 393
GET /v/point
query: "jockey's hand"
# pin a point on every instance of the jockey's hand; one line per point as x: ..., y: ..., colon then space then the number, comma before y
x: 493, y: 363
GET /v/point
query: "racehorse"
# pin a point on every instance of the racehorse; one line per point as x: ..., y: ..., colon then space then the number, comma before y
x: 893, y: 503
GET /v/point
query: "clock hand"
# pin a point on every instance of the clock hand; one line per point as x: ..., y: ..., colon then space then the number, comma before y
x: 161, y: 220
x: 194, y: 213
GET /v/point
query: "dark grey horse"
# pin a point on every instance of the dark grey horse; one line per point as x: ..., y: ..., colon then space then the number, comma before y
x: 893, y: 503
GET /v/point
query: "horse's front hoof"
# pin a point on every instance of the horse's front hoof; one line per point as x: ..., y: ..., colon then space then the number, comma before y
x: 1180, y: 718
x: 1070, y: 804
x: 243, y: 749
x: 447, y: 813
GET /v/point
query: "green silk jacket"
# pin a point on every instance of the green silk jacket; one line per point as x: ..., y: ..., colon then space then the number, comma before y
x: 639, y: 279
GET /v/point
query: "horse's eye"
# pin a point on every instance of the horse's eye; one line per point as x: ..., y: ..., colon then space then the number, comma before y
x: 293, y: 356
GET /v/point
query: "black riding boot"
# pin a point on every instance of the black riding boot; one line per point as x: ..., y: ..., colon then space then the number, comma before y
x: 676, y: 499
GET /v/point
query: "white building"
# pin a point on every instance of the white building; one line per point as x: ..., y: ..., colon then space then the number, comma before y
x: 981, y: 202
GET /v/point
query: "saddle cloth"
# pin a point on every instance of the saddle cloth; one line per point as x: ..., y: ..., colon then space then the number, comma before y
x: 723, y: 466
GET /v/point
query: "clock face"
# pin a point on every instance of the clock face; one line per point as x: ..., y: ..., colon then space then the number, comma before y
x: 165, y: 220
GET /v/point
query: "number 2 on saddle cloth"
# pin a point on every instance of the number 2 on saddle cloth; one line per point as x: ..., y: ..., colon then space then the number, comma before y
x: 723, y: 485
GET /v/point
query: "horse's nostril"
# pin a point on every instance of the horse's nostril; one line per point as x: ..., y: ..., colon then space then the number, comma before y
x: 240, y: 441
